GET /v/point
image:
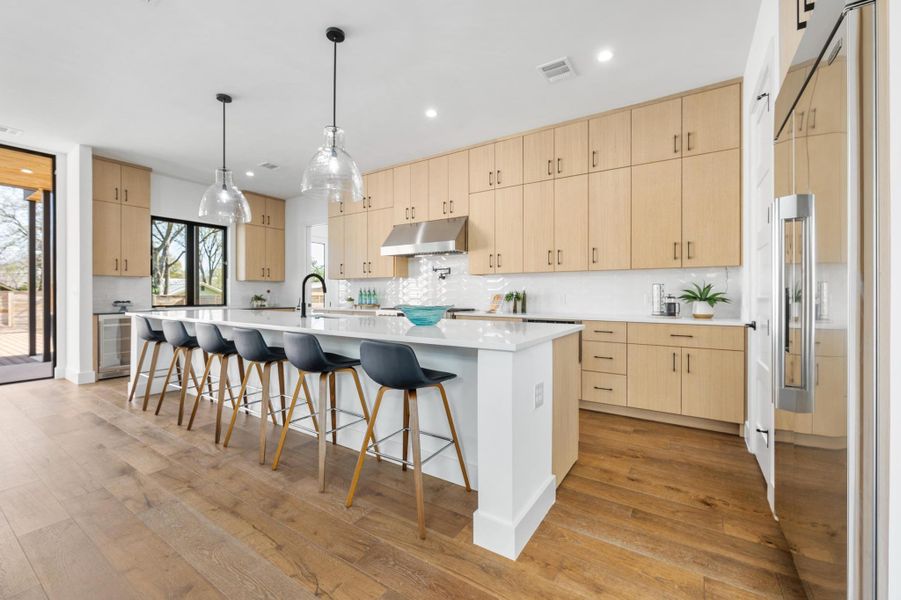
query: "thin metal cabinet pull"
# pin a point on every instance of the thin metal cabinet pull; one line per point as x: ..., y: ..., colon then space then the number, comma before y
x: 126, y: 194
x: 674, y: 362
x: 594, y: 156
x: 688, y: 140
x: 688, y: 244
x: 549, y: 163
x: 491, y: 261
x: 498, y: 177
x: 606, y: 389
x: 444, y: 207
x: 811, y: 120
x: 117, y: 193
x: 675, y: 249
x: 407, y: 213
x: 675, y: 139
x: 451, y: 203
x: 498, y: 260
x: 125, y: 261
x: 559, y: 168
x: 559, y: 257
x: 605, y: 357
x: 800, y: 120
x: 412, y: 212
x: 490, y: 178
x: 594, y: 255
x: 117, y: 264
x: 550, y: 259
x: 688, y: 362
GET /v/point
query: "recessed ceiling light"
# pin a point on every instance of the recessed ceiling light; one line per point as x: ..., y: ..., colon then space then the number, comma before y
x: 431, y: 113
x: 249, y: 173
x: 605, y: 55
x: 27, y: 171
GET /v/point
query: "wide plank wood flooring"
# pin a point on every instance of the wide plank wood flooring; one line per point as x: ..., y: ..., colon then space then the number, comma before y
x: 101, y: 500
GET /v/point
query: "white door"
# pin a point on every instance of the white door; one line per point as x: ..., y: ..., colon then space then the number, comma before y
x: 760, y: 428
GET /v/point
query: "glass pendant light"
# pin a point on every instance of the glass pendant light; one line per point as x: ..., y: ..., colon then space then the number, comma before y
x: 223, y: 202
x: 332, y: 174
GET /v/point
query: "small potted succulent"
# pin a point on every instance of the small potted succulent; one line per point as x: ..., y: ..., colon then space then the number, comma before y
x: 703, y: 299
x: 258, y: 301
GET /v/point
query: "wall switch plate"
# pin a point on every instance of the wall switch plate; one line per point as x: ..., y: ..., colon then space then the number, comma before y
x: 539, y: 394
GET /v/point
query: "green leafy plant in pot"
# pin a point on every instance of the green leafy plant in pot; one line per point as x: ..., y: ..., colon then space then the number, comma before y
x: 515, y: 298
x: 703, y: 299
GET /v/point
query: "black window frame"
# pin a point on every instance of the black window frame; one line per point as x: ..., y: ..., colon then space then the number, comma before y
x: 191, y: 268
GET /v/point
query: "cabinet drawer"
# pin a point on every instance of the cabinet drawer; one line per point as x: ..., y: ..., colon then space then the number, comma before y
x: 688, y: 336
x: 604, y: 331
x: 605, y: 357
x: 604, y: 388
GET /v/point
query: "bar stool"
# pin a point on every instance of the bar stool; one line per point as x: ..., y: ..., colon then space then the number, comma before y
x: 305, y: 353
x: 395, y: 367
x: 215, y: 346
x: 252, y: 348
x: 146, y: 332
x: 182, y: 344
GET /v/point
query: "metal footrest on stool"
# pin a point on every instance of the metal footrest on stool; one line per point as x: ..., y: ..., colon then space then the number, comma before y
x: 336, y: 410
x: 389, y: 457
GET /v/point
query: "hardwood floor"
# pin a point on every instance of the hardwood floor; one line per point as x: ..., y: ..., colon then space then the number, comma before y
x: 101, y: 500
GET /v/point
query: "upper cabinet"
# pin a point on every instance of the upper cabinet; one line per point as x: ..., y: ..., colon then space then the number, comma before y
x: 711, y: 120
x: 449, y: 186
x: 495, y: 231
x: 496, y: 165
x: 121, y: 183
x: 538, y: 156
x: 411, y: 193
x: 711, y: 209
x: 378, y: 193
x: 610, y: 141
x: 266, y: 211
x: 571, y: 149
x: 610, y: 219
x: 657, y: 215
x: 121, y: 221
x: 657, y: 132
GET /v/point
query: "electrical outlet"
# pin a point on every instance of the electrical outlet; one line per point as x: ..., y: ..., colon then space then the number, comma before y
x: 539, y: 394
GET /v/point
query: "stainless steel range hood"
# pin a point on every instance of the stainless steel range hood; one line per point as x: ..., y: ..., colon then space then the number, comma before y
x: 447, y: 236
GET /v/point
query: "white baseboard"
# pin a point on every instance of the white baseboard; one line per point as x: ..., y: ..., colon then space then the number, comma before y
x: 509, y: 538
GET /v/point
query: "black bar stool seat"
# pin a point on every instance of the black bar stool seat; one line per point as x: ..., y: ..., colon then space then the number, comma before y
x: 145, y: 332
x: 305, y: 354
x: 183, y: 344
x: 395, y: 366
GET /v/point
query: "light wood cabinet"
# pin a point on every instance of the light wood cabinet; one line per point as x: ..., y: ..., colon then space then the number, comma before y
x: 275, y: 254
x: 457, y: 185
x: 251, y: 252
x: 136, y: 186
x: 711, y: 120
x: 120, y: 183
x: 567, y: 391
x: 604, y: 331
x: 657, y: 214
x: 604, y: 388
x: 711, y: 209
x: 350, y: 207
x: 257, y: 205
x: 266, y: 211
x: 610, y: 219
x: 824, y: 174
x: 538, y: 227
x: 571, y: 224
x: 655, y: 378
x: 335, y: 267
x: 720, y: 337
x: 508, y: 230
x: 604, y: 357
x: 508, y: 162
x: 571, y: 149
x: 610, y: 141
x: 538, y: 156
x: 402, y: 194
x: 481, y: 232
x: 378, y: 226
x: 107, y: 181
x: 481, y: 168
x: 107, y: 236
x: 657, y: 131
x: 827, y: 112
x: 275, y: 213
x: 335, y: 209
x: 438, y: 187
x: 380, y: 190
x: 356, y: 248
x: 713, y: 384
x: 135, y: 241
x: 411, y: 193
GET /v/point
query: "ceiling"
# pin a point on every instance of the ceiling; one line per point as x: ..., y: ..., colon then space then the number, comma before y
x: 136, y: 79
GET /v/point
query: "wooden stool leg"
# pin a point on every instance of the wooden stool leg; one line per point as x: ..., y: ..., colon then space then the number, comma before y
x: 265, y: 409
x: 417, y: 463
x: 223, y: 385
x: 306, y: 393
x: 333, y: 404
x: 231, y: 425
x: 285, y: 423
x: 453, y: 431
x: 209, y: 383
x: 205, y: 378
x: 151, y: 373
x: 268, y: 399
x: 188, y: 371
x: 369, y: 435
x: 134, y: 383
x: 172, y: 365
x: 281, y: 389
x: 406, y: 434
x: 353, y: 373
x: 323, y: 404
x: 243, y: 393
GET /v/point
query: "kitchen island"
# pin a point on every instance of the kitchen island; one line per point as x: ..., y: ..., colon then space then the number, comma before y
x: 502, y: 400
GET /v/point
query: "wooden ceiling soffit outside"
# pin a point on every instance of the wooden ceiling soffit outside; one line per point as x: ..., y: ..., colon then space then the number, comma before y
x: 12, y: 162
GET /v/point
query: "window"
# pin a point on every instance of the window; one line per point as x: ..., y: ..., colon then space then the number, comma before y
x: 187, y: 263
x: 318, y: 252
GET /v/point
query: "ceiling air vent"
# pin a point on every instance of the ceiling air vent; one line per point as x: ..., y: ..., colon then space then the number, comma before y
x: 268, y: 165
x: 557, y: 69
x: 6, y: 130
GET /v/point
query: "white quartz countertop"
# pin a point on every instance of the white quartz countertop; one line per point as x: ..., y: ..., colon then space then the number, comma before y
x: 683, y: 320
x: 507, y: 336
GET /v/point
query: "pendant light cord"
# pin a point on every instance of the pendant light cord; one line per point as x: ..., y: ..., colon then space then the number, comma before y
x: 223, y: 136
x: 334, y: 81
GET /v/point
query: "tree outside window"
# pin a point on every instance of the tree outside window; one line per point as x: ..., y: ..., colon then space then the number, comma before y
x: 188, y: 263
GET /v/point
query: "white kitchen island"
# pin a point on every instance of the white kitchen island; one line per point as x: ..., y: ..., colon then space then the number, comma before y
x: 502, y: 402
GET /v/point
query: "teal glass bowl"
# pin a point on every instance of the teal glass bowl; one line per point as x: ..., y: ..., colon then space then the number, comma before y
x: 423, y: 315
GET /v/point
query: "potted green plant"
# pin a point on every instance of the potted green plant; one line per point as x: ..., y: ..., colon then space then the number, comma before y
x: 258, y: 301
x: 703, y: 299
x: 514, y: 297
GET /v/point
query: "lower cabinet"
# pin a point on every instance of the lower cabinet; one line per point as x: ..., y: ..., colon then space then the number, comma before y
x: 655, y: 378
x: 260, y: 253
x: 567, y: 387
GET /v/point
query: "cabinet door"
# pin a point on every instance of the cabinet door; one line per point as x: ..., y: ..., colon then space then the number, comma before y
x: 508, y: 162
x: 713, y: 384
x: 711, y: 209
x: 654, y: 380
x: 538, y: 227
x: 508, y: 230
x: 275, y: 254
x: 481, y: 168
x: 381, y: 193
x: 571, y: 224
x: 610, y: 219
x: 402, y: 194
x: 107, y: 235
x: 257, y: 208
x: 457, y: 184
x: 657, y: 215
x: 438, y: 188
x: 830, y: 416
x: 107, y: 179
x: 828, y: 99
x: 135, y: 241
x: 251, y: 252
x: 657, y: 132
x: 567, y: 392
x: 335, y: 209
x: 356, y: 249
x: 378, y: 227
x: 824, y: 175
x: 335, y: 267
x: 538, y: 156
x: 610, y: 141
x: 136, y: 186
x: 481, y: 233
x: 349, y: 207
x: 275, y: 213
x: 711, y: 120
x: 419, y: 192
x: 571, y: 149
